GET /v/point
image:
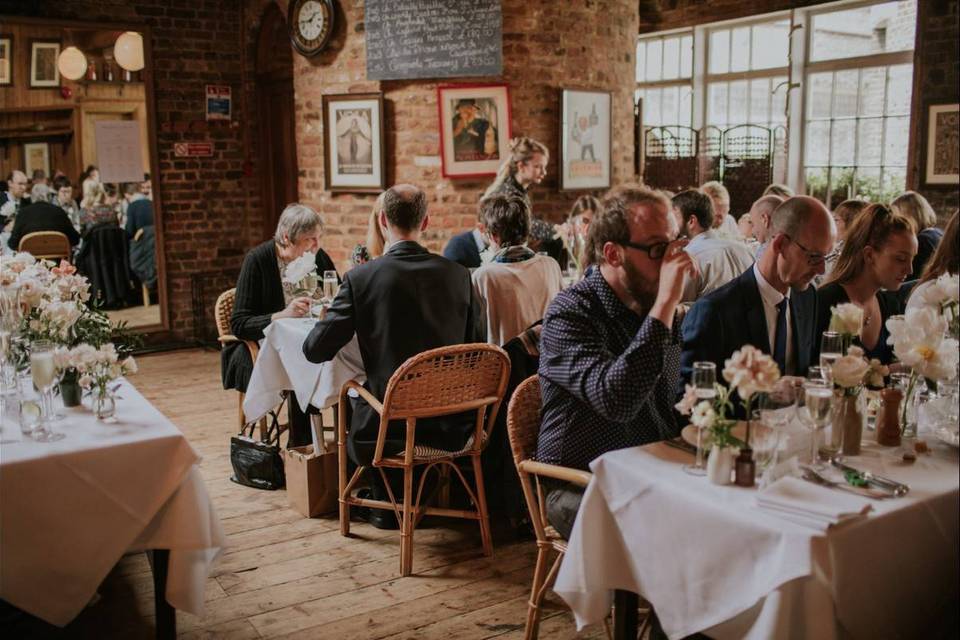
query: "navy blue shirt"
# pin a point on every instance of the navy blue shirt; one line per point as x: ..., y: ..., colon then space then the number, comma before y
x: 608, y: 377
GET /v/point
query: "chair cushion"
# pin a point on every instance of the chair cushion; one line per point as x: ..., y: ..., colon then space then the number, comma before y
x: 425, y: 453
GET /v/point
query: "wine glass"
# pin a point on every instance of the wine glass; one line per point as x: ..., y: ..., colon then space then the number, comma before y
x: 44, y: 374
x: 703, y: 379
x: 331, y: 286
x: 815, y: 413
x: 820, y: 374
x: 831, y: 348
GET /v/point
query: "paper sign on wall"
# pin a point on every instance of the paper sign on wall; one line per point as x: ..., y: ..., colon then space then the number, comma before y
x: 119, y: 152
x: 219, y: 102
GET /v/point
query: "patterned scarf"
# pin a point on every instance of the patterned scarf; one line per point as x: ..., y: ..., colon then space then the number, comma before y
x: 516, y: 253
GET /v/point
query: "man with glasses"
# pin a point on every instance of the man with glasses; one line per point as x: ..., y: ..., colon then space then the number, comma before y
x: 609, y: 350
x: 772, y: 305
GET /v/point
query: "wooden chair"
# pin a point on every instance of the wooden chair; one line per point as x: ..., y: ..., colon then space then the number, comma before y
x: 48, y: 245
x: 438, y: 382
x: 222, y: 311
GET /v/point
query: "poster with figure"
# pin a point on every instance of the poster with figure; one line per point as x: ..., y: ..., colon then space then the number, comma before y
x: 354, y: 154
x: 474, y: 129
x: 943, y: 144
x: 6, y: 59
x: 585, y: 139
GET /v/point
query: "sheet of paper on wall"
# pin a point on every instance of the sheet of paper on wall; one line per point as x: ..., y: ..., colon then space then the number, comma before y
x: 119, y: 150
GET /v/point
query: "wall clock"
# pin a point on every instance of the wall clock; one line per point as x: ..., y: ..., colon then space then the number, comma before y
x: 311, y: 24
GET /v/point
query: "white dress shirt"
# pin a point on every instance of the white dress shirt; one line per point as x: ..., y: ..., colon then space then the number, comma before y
x: 771, y: 298
x: 720, y: 261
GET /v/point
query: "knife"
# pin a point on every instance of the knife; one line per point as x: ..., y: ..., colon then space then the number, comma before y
x: 898, y: 488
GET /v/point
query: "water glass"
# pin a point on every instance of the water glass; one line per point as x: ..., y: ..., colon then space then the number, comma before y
x: 831, y: 348
x: 815, y: 414
x: 703, y: 379
x: 43, y: 371
x: 29, y: 410
x: 820, y: 374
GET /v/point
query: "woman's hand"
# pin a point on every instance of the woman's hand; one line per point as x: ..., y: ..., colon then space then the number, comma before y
x: 298, y: 308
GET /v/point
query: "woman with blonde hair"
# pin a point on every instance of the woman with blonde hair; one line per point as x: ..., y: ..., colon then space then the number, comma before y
x: 945, y: 260
x: 876, y: 259
x: 914, y: 206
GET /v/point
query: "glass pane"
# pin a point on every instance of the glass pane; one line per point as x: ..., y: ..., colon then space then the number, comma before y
x: 717, y: 104
x: 685, y: 110
x: 845, y: 93
x: 894, y: 183
x: 817, y: 143
x: 820, y: 94
x: 719, y: 51
x: 686, y: 57
x: 841, y: 184
x: 867, y: 186
x: 669, y: 108
x: 817, y: 183
x: 842, y: 142
x: 671, y: 58
x: 899, y: 89
x: 771, y: 42
x: 871, y: 91
x: 737, y: 113
x: 740, y: 49
x: 870, y: 141
x: 641, y: 61
x: 895, y: 140
x: 654, y: 59
x: 651, y: 108
x: 874, y: 29
x: 759, y: 101
x: 778, y: 105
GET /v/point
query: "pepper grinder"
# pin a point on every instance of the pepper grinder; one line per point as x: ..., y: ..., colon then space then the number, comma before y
x: 745, y: 468
x: 888, y: 418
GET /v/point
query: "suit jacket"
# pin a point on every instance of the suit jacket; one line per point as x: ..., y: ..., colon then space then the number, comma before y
x: 139, y: 215
x: 729, y: 317
x: 462, y: 249
x: 401, y: 304
x: 42, y: 216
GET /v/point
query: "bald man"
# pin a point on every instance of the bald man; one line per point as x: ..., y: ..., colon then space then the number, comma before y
x: 772, y: 305
x: 761, y: 217
x: 15, y: 194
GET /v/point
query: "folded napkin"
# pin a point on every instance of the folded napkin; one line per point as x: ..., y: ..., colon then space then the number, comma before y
x: 810, y: 505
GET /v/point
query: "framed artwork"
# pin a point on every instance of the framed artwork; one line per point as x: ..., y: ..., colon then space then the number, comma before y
x: 585, y: 134
x: 474, y: 129
x: 353, y: 130
x: 6, y: 59
x: 43, y: 64
x: 943, y: 145
x: 36, y: 155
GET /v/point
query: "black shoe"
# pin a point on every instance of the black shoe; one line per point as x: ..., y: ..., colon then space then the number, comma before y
x: 379, y: 518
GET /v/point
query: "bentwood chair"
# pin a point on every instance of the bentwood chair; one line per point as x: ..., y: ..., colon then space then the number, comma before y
x: 439, y: 382
x: 48, y: 245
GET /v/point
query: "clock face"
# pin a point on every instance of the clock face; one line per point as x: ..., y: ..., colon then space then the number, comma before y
x: 310, y: 22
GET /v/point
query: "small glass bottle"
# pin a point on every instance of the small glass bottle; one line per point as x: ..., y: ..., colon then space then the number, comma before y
x: 92, y: 71
x: 745, y: 468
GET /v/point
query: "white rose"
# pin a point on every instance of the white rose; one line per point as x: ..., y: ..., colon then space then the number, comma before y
x: 846, y: 319
x: 849, y: 371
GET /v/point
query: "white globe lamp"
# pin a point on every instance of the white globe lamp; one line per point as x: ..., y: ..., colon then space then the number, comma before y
x: 128, y: 51
x: 72, y: 63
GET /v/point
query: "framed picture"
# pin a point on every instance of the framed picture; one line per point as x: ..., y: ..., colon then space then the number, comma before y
x: 943, y: 144
x: 36, y: 155
x: 43, y: 64
x: 474, y: 129
x: 353, y: 130
x: 6, y: 59
x: 585, y: 134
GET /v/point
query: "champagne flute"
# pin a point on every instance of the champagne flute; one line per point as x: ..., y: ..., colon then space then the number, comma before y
x: 818, y: 397
x: 44, y: 374
x: 831, y: 348
x: 703, y: 379
x: 331, y: 286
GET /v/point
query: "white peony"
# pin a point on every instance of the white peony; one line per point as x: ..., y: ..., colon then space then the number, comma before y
x: 849, y: 371
x: 750, y: 371
x: 918, y: 341
x: 300, y: 268
x: 846, y: 319
x: 703, y: 415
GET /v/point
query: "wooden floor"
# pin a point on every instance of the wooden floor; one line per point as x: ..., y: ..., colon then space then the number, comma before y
x: 286, y: 576
x: 136, y: 316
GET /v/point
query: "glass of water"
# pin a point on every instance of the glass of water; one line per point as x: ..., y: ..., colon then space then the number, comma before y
x: 831, y: 348
x: 815, y: 414
x: 44, y: 374
x: 703, y: 379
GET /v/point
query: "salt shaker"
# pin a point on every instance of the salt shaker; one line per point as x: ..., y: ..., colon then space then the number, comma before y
x: 888, y: 418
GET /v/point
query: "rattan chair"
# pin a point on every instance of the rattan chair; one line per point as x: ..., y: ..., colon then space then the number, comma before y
x: 49, y: 245
x: 438, y: 382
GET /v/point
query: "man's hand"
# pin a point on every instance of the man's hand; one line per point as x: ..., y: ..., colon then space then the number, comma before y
x: 675, y: 267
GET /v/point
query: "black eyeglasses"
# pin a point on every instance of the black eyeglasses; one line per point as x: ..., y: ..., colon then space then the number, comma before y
x: 813, y: 258
x: 656, y: 250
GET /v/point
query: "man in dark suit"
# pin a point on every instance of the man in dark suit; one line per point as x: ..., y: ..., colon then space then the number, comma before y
x: 42, y: 216
x: 771, y: 305
x: 16, y: 193
x: 464, y: 248
x: 405, y: 302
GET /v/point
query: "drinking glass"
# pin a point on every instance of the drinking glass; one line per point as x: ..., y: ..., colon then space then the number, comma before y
x: 44, y: 374
x: 775, y: 413
x: 703, y: 379
x: 820, y: 374
x: 29, y: 409
x: 831, y: 349
x: 815, y: 414
x: 330, y: 286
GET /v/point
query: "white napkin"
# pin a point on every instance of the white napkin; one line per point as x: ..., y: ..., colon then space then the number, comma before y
x: 810, y: 505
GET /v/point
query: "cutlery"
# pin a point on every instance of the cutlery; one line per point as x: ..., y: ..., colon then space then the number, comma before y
x: 683, y: 445
x: 812, y: 476
x: 897, y: 488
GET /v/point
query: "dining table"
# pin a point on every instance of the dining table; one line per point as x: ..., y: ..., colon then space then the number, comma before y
x: 70, y: 509
x: 281, y: 366
x: 712, y: 559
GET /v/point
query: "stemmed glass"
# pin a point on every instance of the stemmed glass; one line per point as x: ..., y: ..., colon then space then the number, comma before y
x: 330, y: 286
x: 831, y: 349
x: 703, y: 379
x: 815, y: 413
x: 44, y: 374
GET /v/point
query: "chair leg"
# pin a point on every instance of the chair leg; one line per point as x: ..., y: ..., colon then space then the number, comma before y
x: 342, y: 483
x: 406, y: 524
x: 485, y: 536
x: 536, y: 593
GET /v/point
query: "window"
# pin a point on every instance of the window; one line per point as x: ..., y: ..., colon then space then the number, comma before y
x: 664, y: 72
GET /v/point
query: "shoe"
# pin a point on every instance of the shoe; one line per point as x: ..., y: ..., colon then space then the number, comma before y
x: 379, y: 518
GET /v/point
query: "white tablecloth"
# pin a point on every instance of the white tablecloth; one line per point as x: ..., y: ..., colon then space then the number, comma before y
x: 709, y: 560
x: 70, y: 509
x: 281, y: 366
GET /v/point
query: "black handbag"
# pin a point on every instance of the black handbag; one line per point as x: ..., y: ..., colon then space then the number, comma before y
x: 257, y: 463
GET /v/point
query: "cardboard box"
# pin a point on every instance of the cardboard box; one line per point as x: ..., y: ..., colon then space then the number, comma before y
x: 311, y: 480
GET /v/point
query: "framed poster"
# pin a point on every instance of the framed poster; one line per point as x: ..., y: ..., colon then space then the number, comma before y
x: 585, y: 134
x: 219, y: 102
x: 353, y: 131
x: 36, y: 155
x: 119, y: 151
x: 943, y: 144
x: 474, y: 129
x: 6, y: 59
x: 43, y: 64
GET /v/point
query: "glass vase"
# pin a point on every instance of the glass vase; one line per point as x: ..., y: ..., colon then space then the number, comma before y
x: 104, y: 404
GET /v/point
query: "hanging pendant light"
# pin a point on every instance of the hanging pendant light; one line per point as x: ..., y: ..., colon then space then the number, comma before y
x: 72, y: 63
x: 128, y: 51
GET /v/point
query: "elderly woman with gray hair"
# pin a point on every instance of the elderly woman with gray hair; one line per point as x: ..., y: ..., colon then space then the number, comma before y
x: 262, y: 297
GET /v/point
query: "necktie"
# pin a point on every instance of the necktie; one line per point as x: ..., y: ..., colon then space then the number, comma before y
x: 780, y: 337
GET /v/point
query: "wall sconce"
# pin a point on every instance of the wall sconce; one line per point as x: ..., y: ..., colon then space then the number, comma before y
x: 72, y: 63
x: 128, y: 51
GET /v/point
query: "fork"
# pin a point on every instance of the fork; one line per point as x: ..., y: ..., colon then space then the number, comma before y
x: 810, y: 475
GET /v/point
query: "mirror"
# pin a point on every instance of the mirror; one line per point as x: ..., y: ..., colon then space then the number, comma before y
x: 80, y: 127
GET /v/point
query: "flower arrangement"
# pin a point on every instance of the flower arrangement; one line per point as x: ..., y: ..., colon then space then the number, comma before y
x: 302, y: 272
x: 853, y: 371
x: 847, y: 320
x: 944, y: 295
x: 97, y: 368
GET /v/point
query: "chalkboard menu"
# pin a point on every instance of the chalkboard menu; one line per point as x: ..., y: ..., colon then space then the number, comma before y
x: 433, y: 38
